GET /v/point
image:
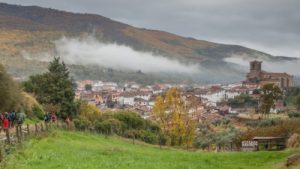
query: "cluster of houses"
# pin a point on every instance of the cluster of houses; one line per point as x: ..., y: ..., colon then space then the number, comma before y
x: 141, y: 99
x: 206, y: 102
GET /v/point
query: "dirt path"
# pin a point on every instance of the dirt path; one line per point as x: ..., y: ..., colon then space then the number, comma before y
x: 12, y: 131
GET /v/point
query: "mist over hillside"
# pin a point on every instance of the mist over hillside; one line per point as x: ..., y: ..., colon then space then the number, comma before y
x: 92, y: 44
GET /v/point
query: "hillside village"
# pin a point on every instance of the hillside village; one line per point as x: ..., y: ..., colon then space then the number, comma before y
x: 139, y: 98
x: 211, y: 101
x: 149, y: 85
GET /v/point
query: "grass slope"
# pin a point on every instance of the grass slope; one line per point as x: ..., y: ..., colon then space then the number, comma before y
x: 74, y: 150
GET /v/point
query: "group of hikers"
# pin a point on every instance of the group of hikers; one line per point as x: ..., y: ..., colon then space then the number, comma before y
x: 50, y: 117
x: 10, y: 119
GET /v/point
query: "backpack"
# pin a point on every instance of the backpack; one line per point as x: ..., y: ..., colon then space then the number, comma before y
x: 21, y: 118
x: 46, y: 118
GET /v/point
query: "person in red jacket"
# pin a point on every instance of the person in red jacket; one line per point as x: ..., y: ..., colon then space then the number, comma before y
x: 5, y: 124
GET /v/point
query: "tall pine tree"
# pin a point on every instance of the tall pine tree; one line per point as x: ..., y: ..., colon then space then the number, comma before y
x: 54, y: 88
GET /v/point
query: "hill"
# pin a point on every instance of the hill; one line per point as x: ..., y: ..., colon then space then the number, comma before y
x: 33, y: 30
x: 32, y: 18
x: 81, y: 150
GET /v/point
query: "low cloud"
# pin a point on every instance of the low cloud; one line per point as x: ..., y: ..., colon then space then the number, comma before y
x: 89, y: 51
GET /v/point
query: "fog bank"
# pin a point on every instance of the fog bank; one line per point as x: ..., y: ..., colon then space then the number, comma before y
x: 89, y: 51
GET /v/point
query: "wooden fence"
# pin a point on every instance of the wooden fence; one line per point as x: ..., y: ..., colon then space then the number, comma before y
x: 16, y: 135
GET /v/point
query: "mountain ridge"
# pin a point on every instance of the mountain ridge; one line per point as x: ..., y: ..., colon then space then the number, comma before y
x: 33, y: 29
x: 47, y: 19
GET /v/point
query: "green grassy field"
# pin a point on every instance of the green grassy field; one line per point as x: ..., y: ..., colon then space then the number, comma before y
x: 75, y: 150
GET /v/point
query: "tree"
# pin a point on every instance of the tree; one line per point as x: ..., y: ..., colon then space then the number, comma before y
x: 160, y: 117
x: 171, y: 113
x: 10, y: 93
x: 54, y: 87
x: 88, y: 87
x: 89, y: 111
x: 110, y: 103
x: 256, y: 91
x: 270, y: 93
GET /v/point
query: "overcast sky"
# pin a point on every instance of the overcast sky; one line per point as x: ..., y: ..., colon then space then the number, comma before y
x: 272, y: 26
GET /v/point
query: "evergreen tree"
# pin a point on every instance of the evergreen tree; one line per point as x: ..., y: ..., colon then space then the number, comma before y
x: 54, y: 87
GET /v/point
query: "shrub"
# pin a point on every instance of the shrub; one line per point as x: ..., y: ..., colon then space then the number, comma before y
x: 127, y: 124
x: 283, y: 129
x: 38, y: 112
x: 149, y: 137
x: 31, y: 107
x: 132, y: 133
x: 109, y: 126
x: 294, y: 141
x: 82, y: 123
x: 264, y: 122
x: 101, y: 127
x: 152, y: 126
x: 207, y: 137
x: 91, y: 112
x: 294, y: 114
x: 269, y: 122
x: 130, y: 119
x: 221, y: 121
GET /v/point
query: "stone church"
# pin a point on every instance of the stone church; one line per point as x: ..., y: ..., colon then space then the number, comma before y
x: 260, y: 77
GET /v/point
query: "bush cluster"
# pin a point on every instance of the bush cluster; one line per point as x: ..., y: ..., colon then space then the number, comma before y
x: 264, y: 122
x: 294, y: 141
x: 285, y: 128
x: 222, y: 139
x: 294, y: 114
x: 126, y: 124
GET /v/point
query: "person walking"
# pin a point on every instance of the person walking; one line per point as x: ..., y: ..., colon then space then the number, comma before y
x: 6, y: 124
x: 6, y: 129
x: 20, y: 118
x: 53, y: 117
x: 11, y: 118
x: 68, y: 122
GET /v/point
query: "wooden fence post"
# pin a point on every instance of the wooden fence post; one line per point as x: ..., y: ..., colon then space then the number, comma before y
x: 2, y: 152
x: 18, y: 134
x: 36, y: 128
x: 20, y: 130
x: 28, y: 130
x: 42, y: 127
x: 7, y: 136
